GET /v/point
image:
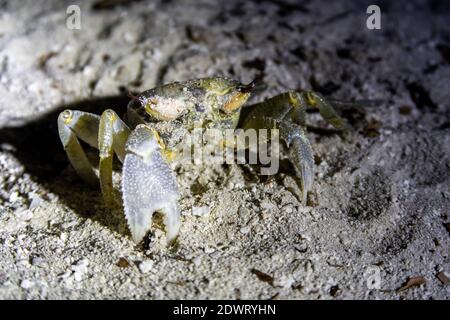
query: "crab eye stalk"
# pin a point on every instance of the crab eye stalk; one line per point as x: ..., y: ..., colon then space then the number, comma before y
x: 248, y: 88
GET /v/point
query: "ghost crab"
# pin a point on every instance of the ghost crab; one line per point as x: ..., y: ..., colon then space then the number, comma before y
x: 157, y: 120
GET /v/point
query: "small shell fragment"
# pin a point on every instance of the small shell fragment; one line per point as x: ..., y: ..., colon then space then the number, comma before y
x: 145, y: 266
x: 201, y: 211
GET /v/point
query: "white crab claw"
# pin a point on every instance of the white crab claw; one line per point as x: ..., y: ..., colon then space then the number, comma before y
x: 148, y: 186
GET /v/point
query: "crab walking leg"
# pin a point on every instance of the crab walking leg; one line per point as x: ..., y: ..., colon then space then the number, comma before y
x: 300, y: 153
x: 73, y: 124
x: 148, y: 185
x: 112, y: 136
x: 289, y: 105
x: 287, y: 112
x: 326, y: 110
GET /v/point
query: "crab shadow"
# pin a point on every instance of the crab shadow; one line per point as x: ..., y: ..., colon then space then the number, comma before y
x: 37, y: 146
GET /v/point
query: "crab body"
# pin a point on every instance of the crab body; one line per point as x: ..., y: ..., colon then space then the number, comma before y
x: 175, y: 109
x: 157, y: 123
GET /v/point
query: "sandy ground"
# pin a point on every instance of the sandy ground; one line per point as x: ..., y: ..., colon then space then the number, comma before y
x: 378, y: 214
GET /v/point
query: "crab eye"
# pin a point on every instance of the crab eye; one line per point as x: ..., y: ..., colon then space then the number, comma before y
x: 246, y: 88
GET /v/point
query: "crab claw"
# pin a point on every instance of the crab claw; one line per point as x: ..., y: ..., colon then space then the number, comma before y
x: 148, y: 186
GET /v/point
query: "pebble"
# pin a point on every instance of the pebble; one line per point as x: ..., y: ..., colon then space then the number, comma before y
x: 80, y: 269
x: 201, y: 211
x: 81, y: 266
x: 65, y: 275
x: 26, y: 284
x: 145, y: 266
x: 14, y: 196
x: 130, y: 37
x: 36, y: 201
x: 35, y: 88
x: 285, y: 281
x: 37, y: 261
x: 288, y: 209
x: 63, y: 236
x: 23, y: 262
x: 196, y: 261
x: 239, y: 185
x: 209, y: 250
x: 25, y: 215
x: 68, y: 225
x: 78, y: 276
x: 267, y: 205
x: 245, y: 230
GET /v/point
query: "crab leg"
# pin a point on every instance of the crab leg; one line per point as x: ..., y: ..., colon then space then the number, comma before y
x: 148, y: 185
x: 325, y: 108
x: 72, y: 125
x: 287, y: 112
x: 300, y: 153
x: 112, y: 137
x: 107, y: 133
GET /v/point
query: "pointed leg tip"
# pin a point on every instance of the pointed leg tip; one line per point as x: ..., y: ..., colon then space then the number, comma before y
x: 172, y: 222
x: 170, y: 241
x: 307, y: 179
